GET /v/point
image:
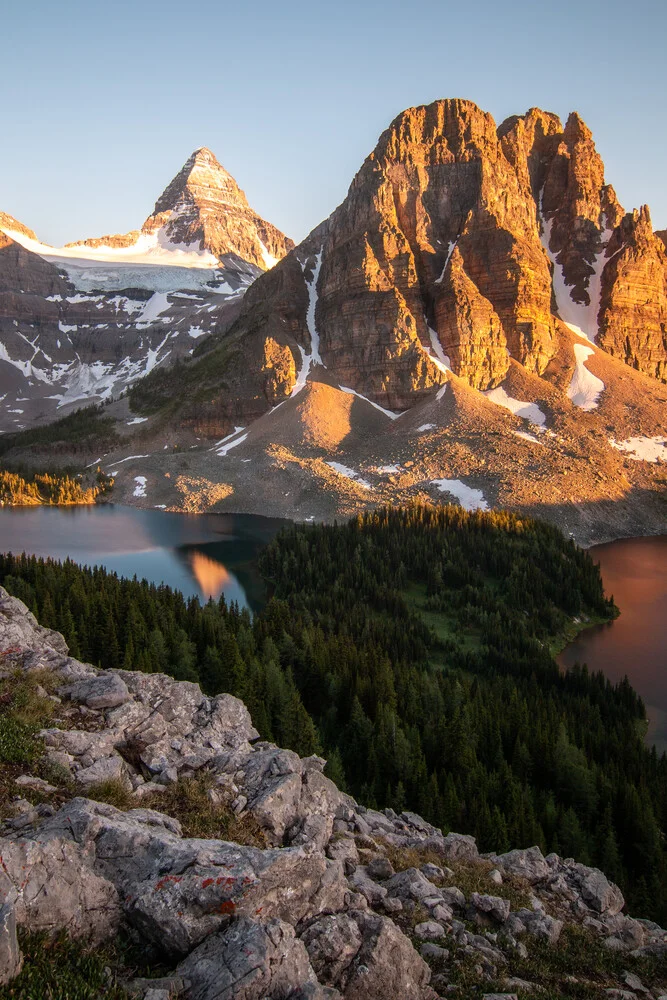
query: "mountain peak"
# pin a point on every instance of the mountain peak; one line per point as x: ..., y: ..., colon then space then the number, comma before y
x: 202, y: 178
x: 203, y: 205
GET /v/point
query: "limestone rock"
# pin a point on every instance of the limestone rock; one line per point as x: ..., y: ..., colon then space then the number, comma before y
x: 177, y: 891
x: 248, y: 961
x: 529, y: 863
x: 366, y: 956
x: 10, y: 955
x: 51, y: 886
x: 108, y: 690
x: 493, y: 906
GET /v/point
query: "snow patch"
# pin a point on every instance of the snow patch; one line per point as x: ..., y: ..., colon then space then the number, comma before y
x: 388, y: 470
x: 140, y: 488
x: 580, y: 318
x: 307, y: 360
x: 119, y: 461
x: 137, y: 420
x: 268, y: 258
x: 387, y: 413
x: 227, y: 437
x: 528, y: 411
x: 450, y: 251
x: 585, y: 388
x: 469, y: 498
x: 426, y: 427
x: 643, y: 449
x: 348, y: 473
x: 221, y: 452
x: 528, y: 437
x: 436, y: 353
x: 196, y: 331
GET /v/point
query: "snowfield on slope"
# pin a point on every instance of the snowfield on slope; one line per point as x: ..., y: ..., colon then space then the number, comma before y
x: 308, y: 360
x: 467, y: 496
x: 520, y: 408
x: 585, y: 388
x: 348, y: 473
x: 643, y: 449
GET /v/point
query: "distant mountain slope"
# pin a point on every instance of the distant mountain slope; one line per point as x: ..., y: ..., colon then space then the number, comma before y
x: 85, y: 321
x: 479, y: 311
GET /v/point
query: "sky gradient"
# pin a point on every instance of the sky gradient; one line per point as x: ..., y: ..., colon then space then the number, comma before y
x: 103, y: 103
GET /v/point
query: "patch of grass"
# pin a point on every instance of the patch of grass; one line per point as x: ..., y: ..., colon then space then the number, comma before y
x: 24, y: 710
x: 578, y: 967
x: 580, y: 955
x: 114, y: 792
x: 469, y: 876
x: 19, y: 742
x: 189, y: 802
x: 446, y: 627
x: 61, y: 969
x: 197, y: 803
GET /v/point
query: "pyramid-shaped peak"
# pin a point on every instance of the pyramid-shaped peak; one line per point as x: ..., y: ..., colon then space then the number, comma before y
x: 202, y: 178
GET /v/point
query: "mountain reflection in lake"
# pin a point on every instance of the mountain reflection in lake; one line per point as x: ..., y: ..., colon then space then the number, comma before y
x: 634, y: 571
x: 202, y: 555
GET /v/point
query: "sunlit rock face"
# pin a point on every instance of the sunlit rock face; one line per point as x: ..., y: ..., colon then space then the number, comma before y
x: 460, y: 245
x: 204, y: 204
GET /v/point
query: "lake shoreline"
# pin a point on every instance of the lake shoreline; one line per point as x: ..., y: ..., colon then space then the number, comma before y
x: 584, y: 539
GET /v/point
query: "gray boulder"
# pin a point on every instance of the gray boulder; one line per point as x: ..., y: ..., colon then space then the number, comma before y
x: 51, y: 886
x: 384, y: 965
x: 177, y: 890
x: 19, y: 629
x: 10, y: 955
x: 429, y: 930
x: 333, y: 942
x: 248, y: 961
x: 601, y: 894
x: 344, y: 849
x: 459, y: 847
x: 528, y: 862
x: 536, y: 924
x: 361, y: 882
x: 411, y: 884
x: 107, y: 690
x: 490, y: 906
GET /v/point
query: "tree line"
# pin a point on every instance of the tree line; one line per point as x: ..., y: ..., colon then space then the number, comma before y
x: 413, y: 647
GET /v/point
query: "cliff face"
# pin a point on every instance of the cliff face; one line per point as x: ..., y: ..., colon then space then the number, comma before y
x: 633, y: 308
x: 327, y: 902
x: 204, y: 204
x: 460, y: 245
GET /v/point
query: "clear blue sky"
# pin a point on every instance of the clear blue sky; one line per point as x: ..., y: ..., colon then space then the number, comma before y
x: 103, y: 101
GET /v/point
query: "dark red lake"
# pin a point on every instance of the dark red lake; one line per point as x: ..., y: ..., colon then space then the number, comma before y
x: 634, y: 570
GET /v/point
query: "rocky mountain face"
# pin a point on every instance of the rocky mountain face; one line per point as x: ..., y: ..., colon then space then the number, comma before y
x: 83, y: 322
x: 203, y: 206
x: 479, y: 312
x: 335, y: 901
x: 461, y: 245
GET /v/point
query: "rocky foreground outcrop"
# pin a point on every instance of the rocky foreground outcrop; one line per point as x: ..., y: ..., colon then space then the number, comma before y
x: 325, y: 910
